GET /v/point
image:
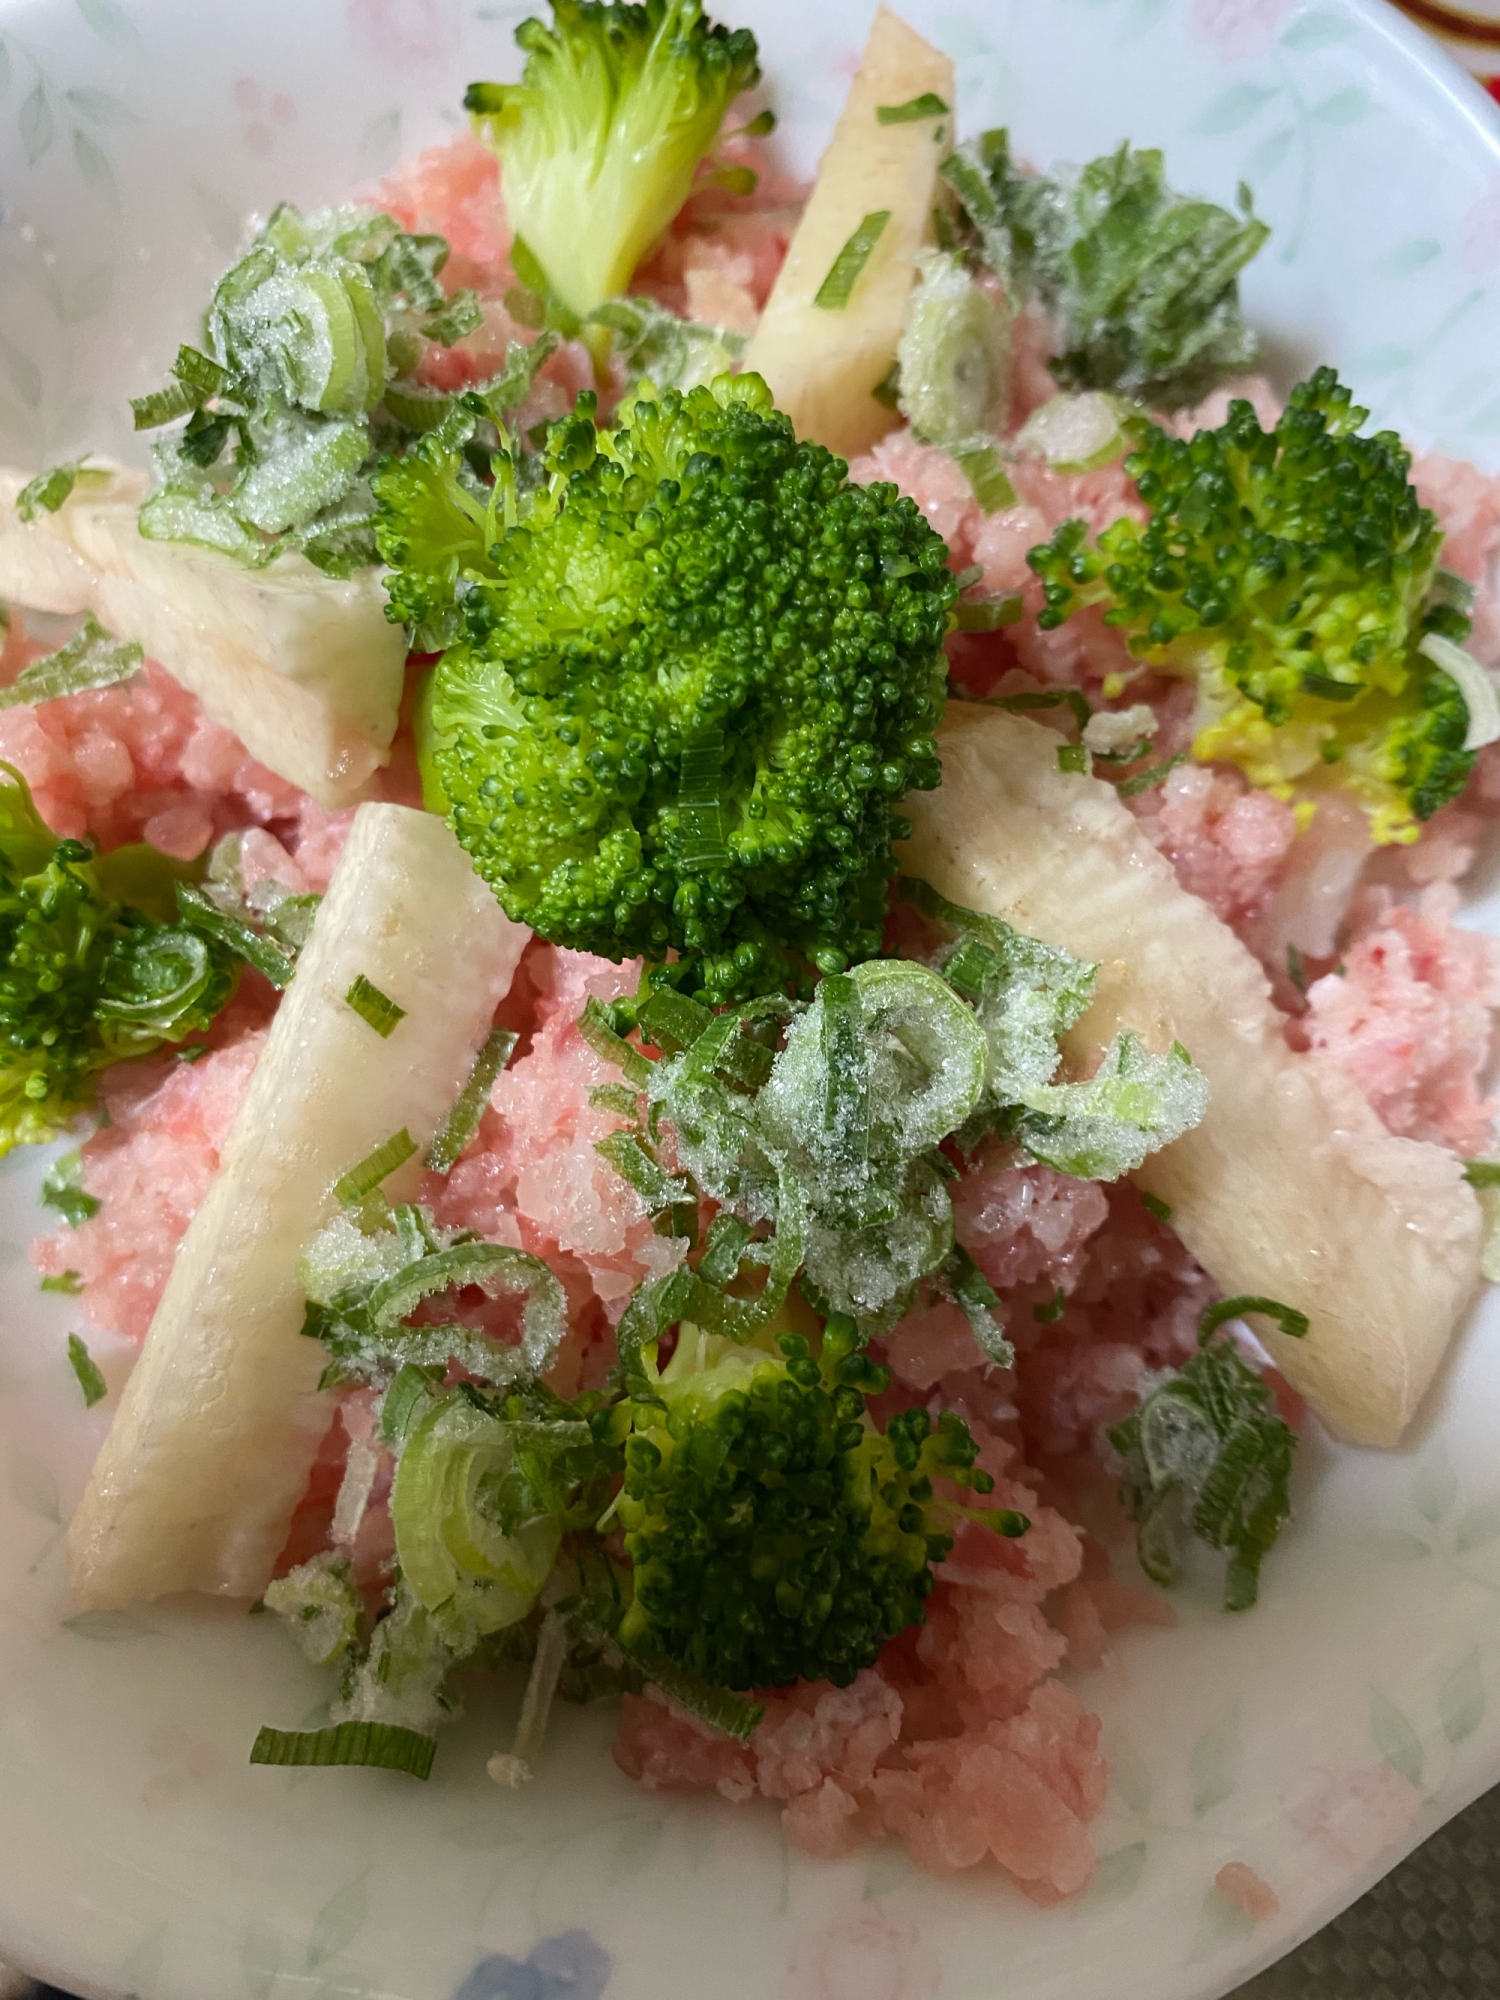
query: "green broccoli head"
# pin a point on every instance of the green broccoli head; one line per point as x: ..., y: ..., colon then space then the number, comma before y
x: 1293, y: 572
x: 775, y: 1534
x: 697, y: 675
x: 599, y: 141
x: 85, y: 980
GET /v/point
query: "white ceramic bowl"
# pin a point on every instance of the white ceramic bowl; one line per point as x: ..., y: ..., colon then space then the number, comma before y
x: 1315, y: 1739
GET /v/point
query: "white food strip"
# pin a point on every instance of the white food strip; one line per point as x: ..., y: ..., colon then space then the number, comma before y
x: 304, y: 668
x: 1291, y: 1188
x: 221, y: 1419
x: 822, y: 365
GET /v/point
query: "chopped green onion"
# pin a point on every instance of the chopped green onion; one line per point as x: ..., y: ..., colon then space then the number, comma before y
x: 887, y: 391
x: 383, y: 1162
x: 987, y: 614
x: 1159, y: 1210
x: 1019, y: 704
x: 385, y: 1746
x: 164, y: 406
x: 1291, y: 1322
x: 201, y: 913
x: 594, y: 1026
x: 671, y: 1021
x: 90, y: 659
x: 63, y: 1190
x: 69, y: 1283
x: 47, y: 492
x: 1073, y: 757
x: 1053, y: 1309
x: 616, y: 1097
x: 720, y: 1708
x: 1296, y: 971
x: 981, y: 464
x: 699, y: 808
x: 462, y: 1122
x: 198, y: 372
x: 1145, y: 781
x: 658, y: 1189
x: 86, y: 1368
x: 928, y: 105
x: 191, y: 1052
x: 462, y: 315
x: 412, y: 1383
x: 837, y: 288
x: 1482, y: 1173
x: 373, y: 1006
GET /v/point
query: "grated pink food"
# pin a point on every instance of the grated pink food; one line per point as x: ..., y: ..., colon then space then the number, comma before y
x: 150, y: 1167
x: 1410, y: 1017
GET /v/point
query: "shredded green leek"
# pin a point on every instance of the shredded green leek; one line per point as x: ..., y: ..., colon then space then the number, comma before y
x: 837, y: 288
x: 68, y: 1283
x: 201, y: 913
x: 373, y: 1006
x: 928, y: 105
x: 1482, y: 1173
x: 90, y: 659
x: 385, y: 1746
x: 86, y: 1368
x: 1159, y: 1210
x: 367, y: 1176
x: 462, y: 1122
x: 1291, y: 1322
x: 63, y: 1189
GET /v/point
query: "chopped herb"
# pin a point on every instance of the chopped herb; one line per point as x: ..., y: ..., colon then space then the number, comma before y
x: 462, y: 316
x: 1482, y: 1173
x: 462, y: 1122
x: 928, y: 105
x: 90, y: 659
x: 373, y: 1006
x: 367, y: 1176
x: 837, y: 288
x: 595, y: 1028
x: 69, y: 1283
x: 730, y: 1714
x: 47, y: 492
x: 1073, y: 757
x: 1288, y: 1318
x: 1053, y: 1309
x: 86, y: 1368
x: 63, y: 1190
x: 191, y: 1052
x: 1159, y: 1210
x: 1296, y: 971
x: 1145, y: 781
x: 384, y: 1745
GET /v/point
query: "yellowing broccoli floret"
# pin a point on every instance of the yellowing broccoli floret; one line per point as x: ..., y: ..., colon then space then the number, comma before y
x: 697, y: 672
x: 1294, y: 573
x: 600, y: 139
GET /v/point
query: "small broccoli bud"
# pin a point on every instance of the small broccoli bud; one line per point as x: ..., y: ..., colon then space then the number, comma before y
x: 776, y: 1534
x: 600, y: 139
x: 697, y: 674
x: 1294, y: 573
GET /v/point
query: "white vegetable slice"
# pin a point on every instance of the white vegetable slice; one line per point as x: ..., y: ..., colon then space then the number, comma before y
x: 304, y: 668
x: 1475, y: 683
x: 1291, y: 1188
x: 824, y: 365
x: 221, y: 1419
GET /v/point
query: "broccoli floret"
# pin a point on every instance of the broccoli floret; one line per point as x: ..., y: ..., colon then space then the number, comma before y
x: 600, y: 139
x: 85, y: 980
x: 776, y: 1534
x: 1142, y: 284
x: 1294, y: 573
x: 696, y: 677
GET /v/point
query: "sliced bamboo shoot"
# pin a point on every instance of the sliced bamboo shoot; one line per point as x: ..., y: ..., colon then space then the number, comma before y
x: 823, y: 365
x: 304, y: 668
x: 1291, y: 1188
x: 219, y: 1424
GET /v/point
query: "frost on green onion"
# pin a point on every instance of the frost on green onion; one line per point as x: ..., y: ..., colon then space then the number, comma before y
x: 90, y: 659
x: 321, y: 1606
x: 1141, y: 283
x: 1205, y: 1454
x: 953, y: 363
x: 672, y: 353
x: 308, y: 377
